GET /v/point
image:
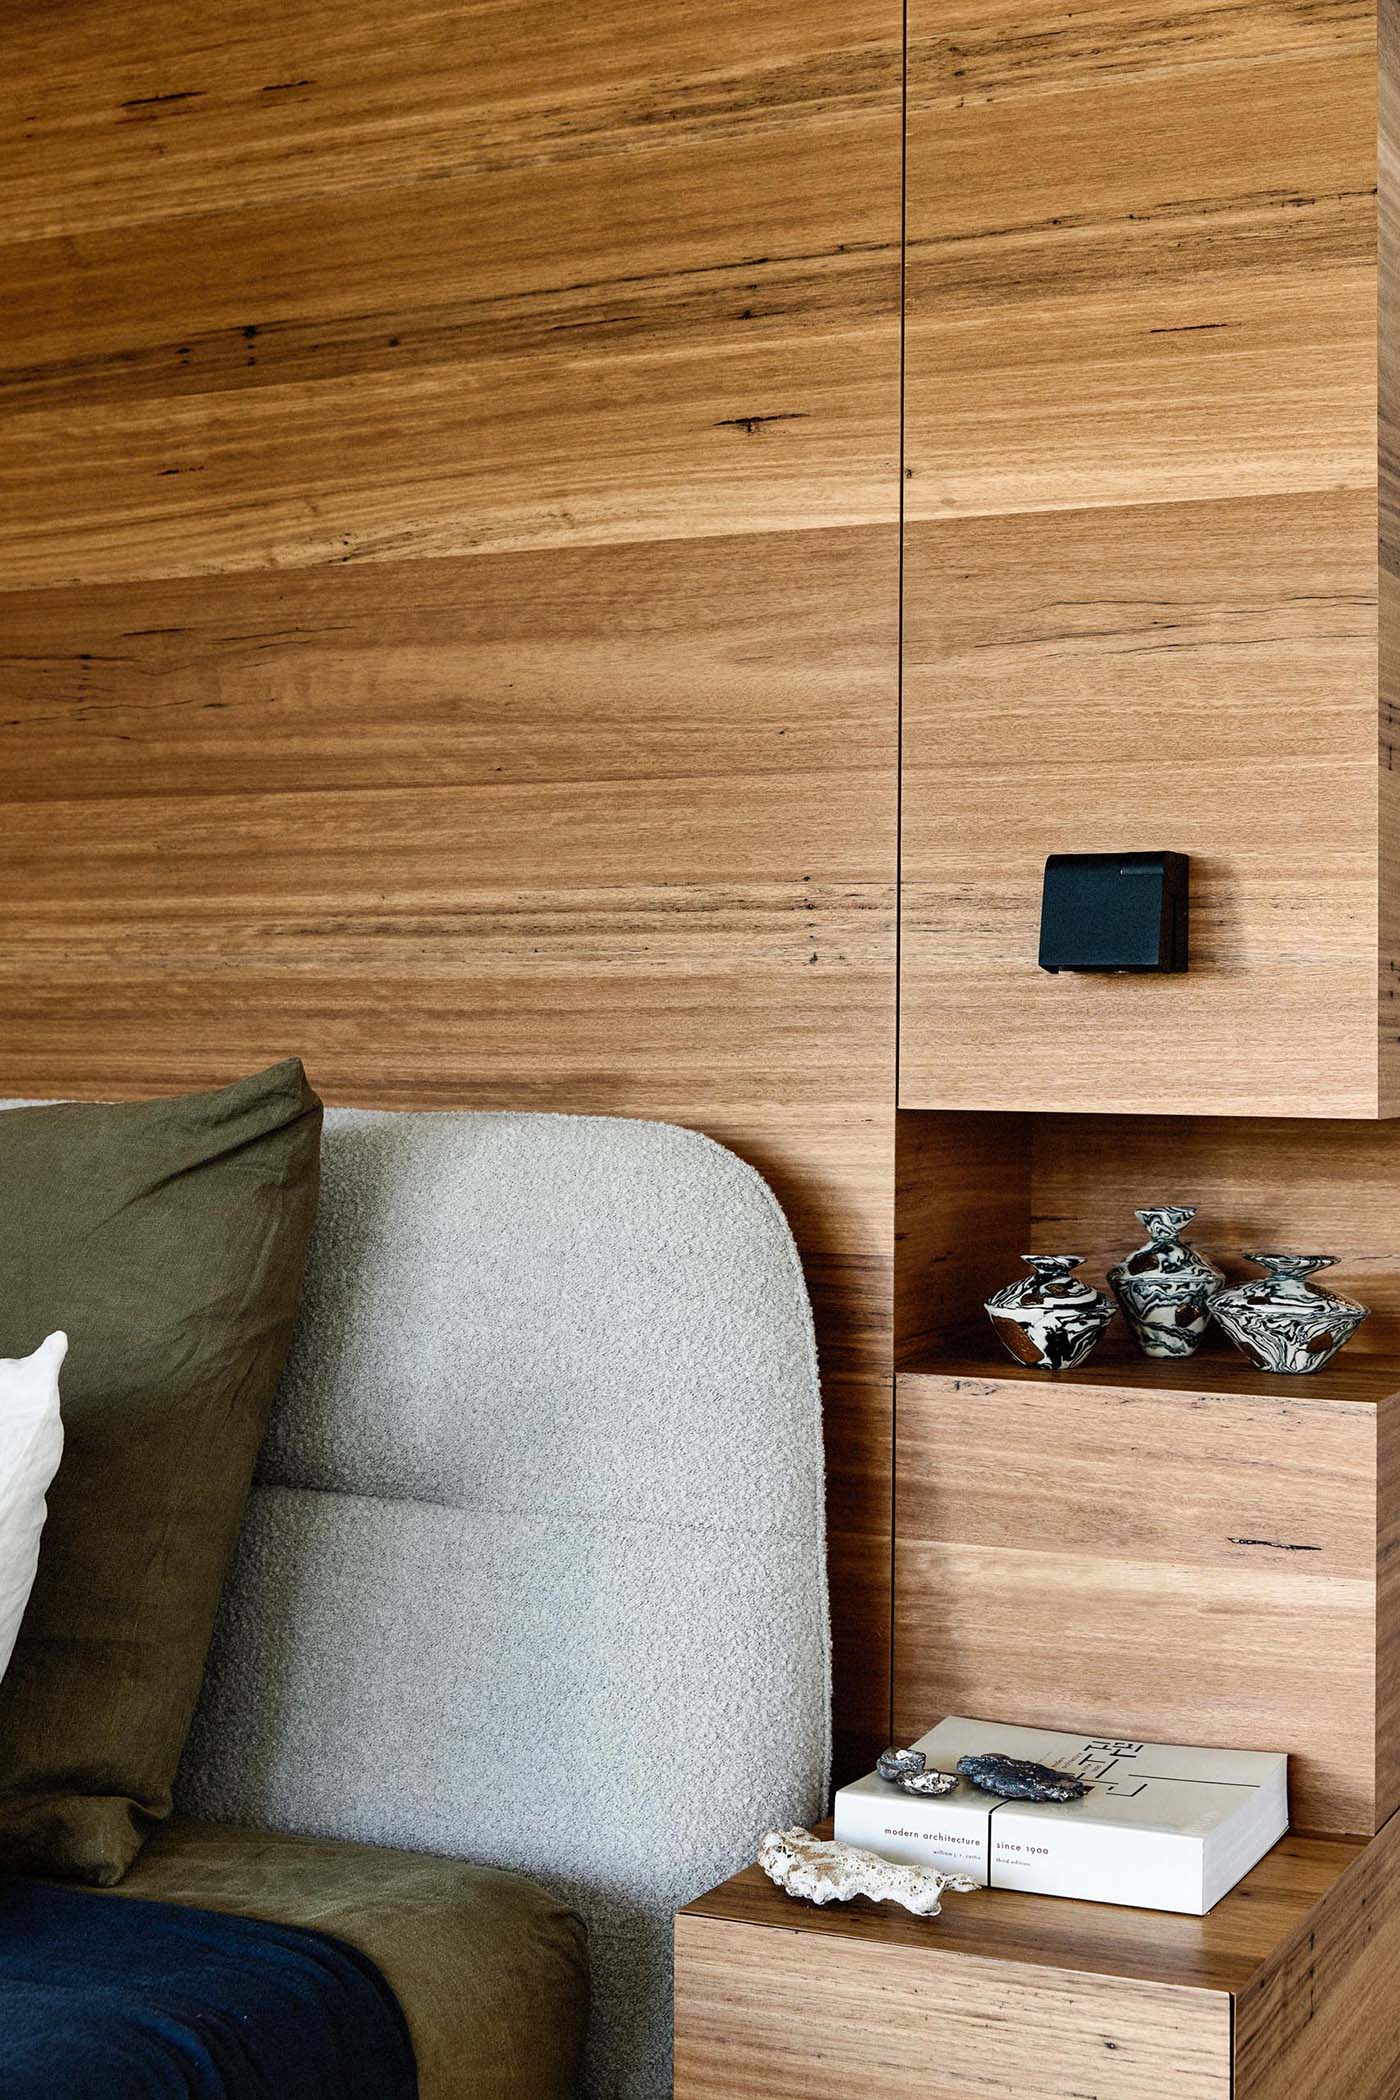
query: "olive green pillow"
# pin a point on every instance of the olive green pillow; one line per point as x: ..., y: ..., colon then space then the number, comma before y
x: 168, y: 1238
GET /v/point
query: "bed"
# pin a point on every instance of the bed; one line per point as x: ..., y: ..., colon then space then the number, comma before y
x: 525, y: 1641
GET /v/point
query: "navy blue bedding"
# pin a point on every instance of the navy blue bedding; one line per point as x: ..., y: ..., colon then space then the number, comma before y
x: 106, y: 1998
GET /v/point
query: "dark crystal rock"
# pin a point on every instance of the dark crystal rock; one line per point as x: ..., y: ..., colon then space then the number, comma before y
x: 1017, y: 1779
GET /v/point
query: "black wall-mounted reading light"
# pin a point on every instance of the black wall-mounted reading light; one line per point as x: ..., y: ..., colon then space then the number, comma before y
x: 1114, y: 911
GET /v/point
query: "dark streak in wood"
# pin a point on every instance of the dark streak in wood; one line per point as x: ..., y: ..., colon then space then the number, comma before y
x: 753, y: 423
x: 1276, y: 1545
x: 175, y: 95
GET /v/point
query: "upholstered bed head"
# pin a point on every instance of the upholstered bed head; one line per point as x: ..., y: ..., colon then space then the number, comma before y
x: 534, y: 1569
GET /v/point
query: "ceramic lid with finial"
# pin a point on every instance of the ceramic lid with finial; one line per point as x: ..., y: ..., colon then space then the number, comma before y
x: 1052, y: 1282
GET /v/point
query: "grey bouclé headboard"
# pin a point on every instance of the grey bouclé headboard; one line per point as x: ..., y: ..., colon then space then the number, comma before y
x: 534, y: 1571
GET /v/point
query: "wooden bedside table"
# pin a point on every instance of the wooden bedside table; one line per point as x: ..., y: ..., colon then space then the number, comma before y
x: 1288, y: 1990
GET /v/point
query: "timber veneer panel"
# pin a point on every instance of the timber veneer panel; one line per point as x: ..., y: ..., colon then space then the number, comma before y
x: 281, y: 103
x: 1282, y: 1990
x: 449, y: 480
x: 962, y: 1216
x: 1388, y: 654
x: 1193, y: 685
x: 815, y: 2020
x: 1157, y: 1557
x: 599, y: 322
x: 1140, y: 569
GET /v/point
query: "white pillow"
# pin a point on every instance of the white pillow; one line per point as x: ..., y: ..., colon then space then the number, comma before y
x: 31, y: 1444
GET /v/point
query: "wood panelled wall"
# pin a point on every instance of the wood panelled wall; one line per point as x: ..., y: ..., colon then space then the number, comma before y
x: 450, y: 619
x: 1140, y: 567
x: 448, y: 588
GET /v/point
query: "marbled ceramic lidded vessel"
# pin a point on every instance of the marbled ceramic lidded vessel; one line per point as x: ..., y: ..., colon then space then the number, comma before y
x: 1281, y: 1320
x: 1050, y: 1319
x: 1165, y: 1288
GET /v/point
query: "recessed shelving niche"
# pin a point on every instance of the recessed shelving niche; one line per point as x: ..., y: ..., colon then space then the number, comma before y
x: 1194, y: 1551
x: 976, y: 1189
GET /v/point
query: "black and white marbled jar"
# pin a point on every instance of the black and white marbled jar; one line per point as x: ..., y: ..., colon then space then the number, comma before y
x: 1166, y: 1286
x: 1049, y: 1319
x: 1282, y: 1321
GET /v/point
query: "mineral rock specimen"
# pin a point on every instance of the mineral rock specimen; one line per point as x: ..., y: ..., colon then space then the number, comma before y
x: 824, y: 1872
x: 907, y: 1769
x: 1016, y: 1779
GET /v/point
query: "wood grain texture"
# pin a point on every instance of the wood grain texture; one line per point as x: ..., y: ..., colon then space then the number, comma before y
x: 1192, y: 1566
x: 1315, y: 2019
x: 448, y: 520
x: 1388, y: 639
x: 1279, y: 1992
x: 1062, y: 696
x: 586, y: 283
x: 173, y: 117
x: 962, y: 1217
x: 1136, y: 281
x: 811, y: 2018
x: 514, y: 831
x: 1141, y: 484
x: 1388, y: 1602
x: 1349, y: 1381
x: 859, y: 1430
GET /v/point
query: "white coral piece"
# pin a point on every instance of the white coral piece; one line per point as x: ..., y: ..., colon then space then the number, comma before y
x: 822, y: 1871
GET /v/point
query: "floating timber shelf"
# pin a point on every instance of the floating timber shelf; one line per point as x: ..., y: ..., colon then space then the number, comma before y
x: 1348, y: 1380
x: 1283, y: 1992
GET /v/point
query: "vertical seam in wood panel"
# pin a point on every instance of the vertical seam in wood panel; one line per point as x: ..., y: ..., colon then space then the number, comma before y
x: 1378, y: 1814
x: 1387, y: 959
x: 898, y: 791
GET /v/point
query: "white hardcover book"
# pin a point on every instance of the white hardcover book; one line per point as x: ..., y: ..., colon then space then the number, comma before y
x: 1163, y: 1827
x: 951, y: 1835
